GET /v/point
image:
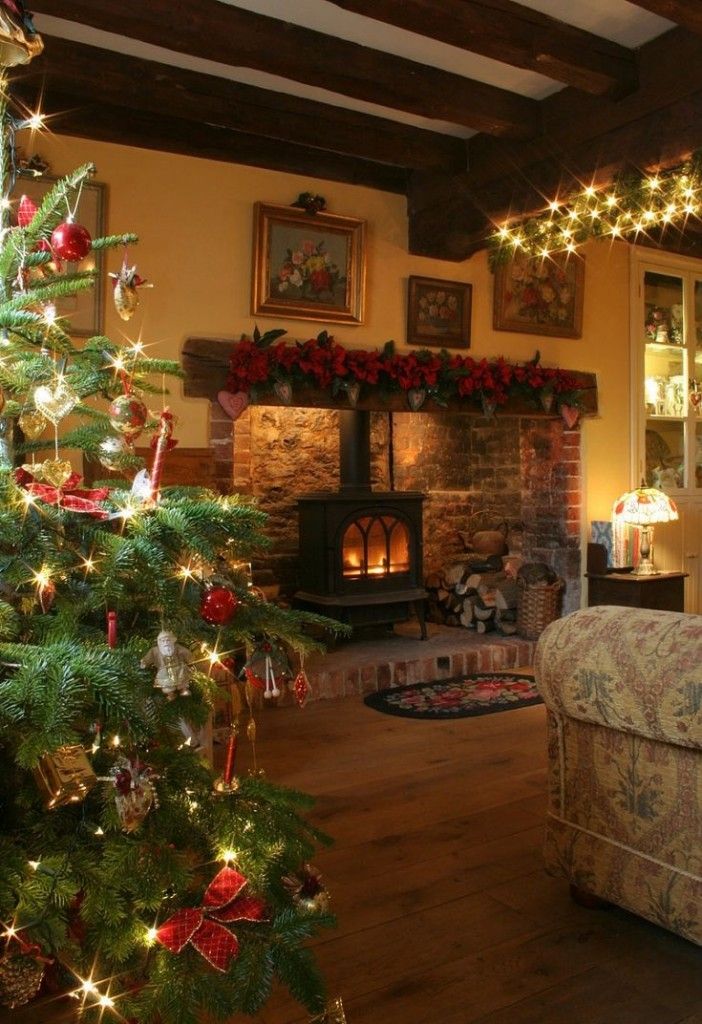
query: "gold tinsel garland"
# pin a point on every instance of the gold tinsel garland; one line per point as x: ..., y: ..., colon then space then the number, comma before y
x: 628, y: 208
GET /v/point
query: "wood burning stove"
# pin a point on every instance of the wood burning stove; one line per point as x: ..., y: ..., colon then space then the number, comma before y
x: 361, y: 550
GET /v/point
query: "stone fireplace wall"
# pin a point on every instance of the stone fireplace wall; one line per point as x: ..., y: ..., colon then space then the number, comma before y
x: 475, y: 472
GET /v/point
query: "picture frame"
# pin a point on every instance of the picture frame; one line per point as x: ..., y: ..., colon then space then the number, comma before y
x: 533, y: 295
x: 308, y: 266
x: 85, y: 311
x: 439, y: 312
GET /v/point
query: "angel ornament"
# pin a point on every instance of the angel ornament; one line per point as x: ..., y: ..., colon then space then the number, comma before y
x: 172, y: 662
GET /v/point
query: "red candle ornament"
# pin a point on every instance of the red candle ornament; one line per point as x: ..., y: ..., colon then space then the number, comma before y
x: 112, y: 629
x: 162, y: 443
x: 25, y: 211
x: 218, y: 606
x: 230, y: 759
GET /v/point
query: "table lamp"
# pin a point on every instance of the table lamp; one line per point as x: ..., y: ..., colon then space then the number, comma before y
x: 644, y: 507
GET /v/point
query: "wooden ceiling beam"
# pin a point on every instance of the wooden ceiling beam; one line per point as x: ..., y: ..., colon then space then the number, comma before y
x: 587, y: 139
x: 218, y: 31
x: 687, y: 13
x: 133, y: 82
x: 516, y: 35
x: 99, y: 121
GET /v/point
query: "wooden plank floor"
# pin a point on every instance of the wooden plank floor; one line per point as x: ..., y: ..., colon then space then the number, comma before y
x: 445, y: 913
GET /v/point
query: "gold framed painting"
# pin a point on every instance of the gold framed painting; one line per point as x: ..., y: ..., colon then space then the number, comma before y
x: 85, y: 311
x: 438, y: 312
x: 308, y: 266
x: 540, y: 296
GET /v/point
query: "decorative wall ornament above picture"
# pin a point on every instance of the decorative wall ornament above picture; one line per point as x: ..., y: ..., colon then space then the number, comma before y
x: 308, y: 267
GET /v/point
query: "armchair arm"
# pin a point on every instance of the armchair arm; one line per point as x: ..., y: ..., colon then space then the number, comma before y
x: 635, y: 670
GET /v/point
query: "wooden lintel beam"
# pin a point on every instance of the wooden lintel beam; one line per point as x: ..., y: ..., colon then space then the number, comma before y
x: 109, y: 123
x: 221, y: 32
x: 206, y: 363
x: 113, y: 78
x: 687, y: 13
x: 516, y: 35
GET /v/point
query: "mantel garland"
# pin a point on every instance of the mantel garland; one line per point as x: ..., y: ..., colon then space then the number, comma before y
x: 627, y: 208
x: 264, y: 365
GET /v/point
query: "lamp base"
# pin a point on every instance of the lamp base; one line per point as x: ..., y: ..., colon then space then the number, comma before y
x: 646, y: 568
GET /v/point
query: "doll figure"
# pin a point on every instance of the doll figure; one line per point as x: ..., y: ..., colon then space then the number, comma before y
x: 172, y: 662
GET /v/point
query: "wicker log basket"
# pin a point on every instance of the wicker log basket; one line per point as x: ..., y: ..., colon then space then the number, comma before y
x: 539, y: 599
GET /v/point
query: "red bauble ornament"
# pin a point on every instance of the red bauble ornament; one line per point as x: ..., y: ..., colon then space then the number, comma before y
x: 71, y: 242
x: 218, y: 606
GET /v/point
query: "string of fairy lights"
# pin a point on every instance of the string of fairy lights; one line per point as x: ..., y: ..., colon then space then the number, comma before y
x: 628, y: 208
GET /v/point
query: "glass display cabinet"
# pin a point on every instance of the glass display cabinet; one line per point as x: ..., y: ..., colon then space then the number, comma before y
x: 667, y: 388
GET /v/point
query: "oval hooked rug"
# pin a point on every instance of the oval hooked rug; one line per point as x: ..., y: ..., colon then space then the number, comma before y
x: 479, y: 694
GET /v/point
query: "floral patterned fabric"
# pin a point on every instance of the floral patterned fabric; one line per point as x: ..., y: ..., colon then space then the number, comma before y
x: 623, y: 688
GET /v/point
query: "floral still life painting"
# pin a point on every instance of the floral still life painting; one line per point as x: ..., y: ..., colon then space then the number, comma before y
x: 438, y: 313
x: 540, y: 296
x: 308, y: 266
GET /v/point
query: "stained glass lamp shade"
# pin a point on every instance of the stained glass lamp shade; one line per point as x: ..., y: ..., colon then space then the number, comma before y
x: 645, y: 507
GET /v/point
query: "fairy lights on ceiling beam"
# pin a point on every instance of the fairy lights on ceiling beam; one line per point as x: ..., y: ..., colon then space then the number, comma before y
x: 628, y: 208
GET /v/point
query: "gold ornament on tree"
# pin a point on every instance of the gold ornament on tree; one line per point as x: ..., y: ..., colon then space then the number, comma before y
x: 307, y: 889
x: 21, y: 974
x: 32, y: 424
x: 19, y: 40
x: 55, y: 402
x: 64, y: 776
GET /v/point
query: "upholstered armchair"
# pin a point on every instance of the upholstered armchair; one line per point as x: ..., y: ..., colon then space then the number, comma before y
x: 623, y: 690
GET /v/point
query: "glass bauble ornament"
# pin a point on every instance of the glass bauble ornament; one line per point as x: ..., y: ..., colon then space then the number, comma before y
x: 128, y: 415
x: 71, y: 241
x: 218, y: 606
x: 111, y: 451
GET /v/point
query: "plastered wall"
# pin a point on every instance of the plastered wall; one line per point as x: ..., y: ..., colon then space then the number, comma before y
x: 194, y: 218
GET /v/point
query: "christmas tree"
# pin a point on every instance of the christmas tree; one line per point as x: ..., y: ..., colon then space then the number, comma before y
x: 151, y: 887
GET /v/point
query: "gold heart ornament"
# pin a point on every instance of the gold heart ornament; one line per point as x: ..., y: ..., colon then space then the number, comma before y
x: 55, y: 402
x: 56, y: 471
x: 32, y: 424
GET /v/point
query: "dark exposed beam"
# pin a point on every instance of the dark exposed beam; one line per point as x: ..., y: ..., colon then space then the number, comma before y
x: 111, y: 123
x: 513, y: 34
x: 586, y: 139
x: 687, y: 13
x: 218, y: 31
x: 173, y: 92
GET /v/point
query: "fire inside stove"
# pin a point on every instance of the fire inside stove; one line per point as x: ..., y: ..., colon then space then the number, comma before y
x: 375, y: 546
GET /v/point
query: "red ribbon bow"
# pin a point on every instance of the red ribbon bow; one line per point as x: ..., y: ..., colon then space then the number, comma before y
x: 223, y: 903
x: 71, y: 497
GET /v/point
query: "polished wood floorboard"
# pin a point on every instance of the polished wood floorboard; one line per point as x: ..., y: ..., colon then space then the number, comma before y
x: 446, y: 915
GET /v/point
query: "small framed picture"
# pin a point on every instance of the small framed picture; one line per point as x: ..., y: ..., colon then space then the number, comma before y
x: 308, y: 266
x: 540, y: 296
x: 438, y: 313
x: 85, y: 310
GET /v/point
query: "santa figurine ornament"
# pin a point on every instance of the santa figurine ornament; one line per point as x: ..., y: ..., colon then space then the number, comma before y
x: 172, y: 662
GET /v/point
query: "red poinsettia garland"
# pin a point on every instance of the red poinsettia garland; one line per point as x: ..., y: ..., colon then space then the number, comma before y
x: 261, y: 363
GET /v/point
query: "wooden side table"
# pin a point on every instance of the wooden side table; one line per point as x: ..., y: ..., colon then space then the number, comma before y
x: 665, y: 591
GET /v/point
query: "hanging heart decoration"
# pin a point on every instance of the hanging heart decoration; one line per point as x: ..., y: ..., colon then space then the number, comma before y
x: 233, y: 403
x: 56, y: 471
x: 416, y: 397
x: 32, y: 424
x: 55, y: 402
x: 571, y: 415
x: 283, y: 390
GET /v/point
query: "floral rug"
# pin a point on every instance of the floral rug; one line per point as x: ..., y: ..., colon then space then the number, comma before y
x: 479, y: 694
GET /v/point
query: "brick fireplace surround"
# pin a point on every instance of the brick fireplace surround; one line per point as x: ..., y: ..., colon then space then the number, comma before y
x: 523, y: 469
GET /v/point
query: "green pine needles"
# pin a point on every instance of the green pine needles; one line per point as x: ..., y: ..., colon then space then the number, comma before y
x: 77, y: 885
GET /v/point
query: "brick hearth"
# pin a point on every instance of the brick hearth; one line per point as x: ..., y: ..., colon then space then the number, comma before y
x: 397, y: 660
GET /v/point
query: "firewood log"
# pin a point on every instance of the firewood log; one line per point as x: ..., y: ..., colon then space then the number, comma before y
x: 482, y: 613
x: 485, y: 627
x: 507, y: 628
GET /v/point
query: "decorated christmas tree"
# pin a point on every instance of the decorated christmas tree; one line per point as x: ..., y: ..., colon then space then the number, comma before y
x: 133, y: 876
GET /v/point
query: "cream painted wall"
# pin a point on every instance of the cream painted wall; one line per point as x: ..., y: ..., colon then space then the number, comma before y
x: 194, y: 218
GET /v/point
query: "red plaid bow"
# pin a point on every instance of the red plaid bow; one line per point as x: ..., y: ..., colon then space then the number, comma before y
x: 211, y: 939
x: 71, y: 497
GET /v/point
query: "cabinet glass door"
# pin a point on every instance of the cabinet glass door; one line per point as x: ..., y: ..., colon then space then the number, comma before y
x: 667, y: 379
